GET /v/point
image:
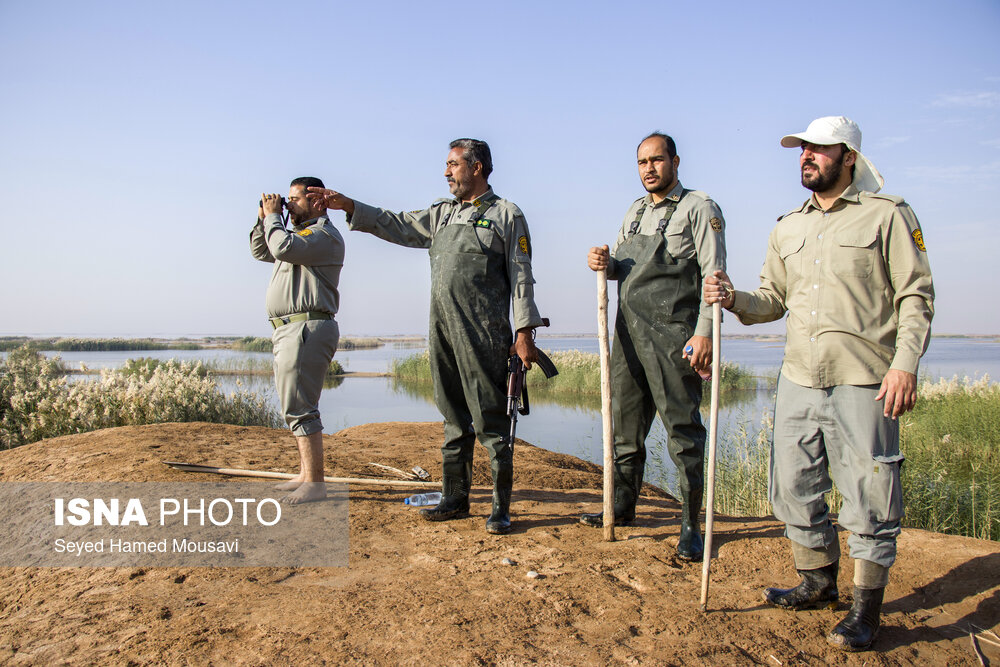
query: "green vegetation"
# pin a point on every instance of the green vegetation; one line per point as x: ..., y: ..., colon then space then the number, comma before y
x: 244, y: 344
x: 251, y: 344
x: 241, y: 366
x: 414, y: 368
x: 359, y: 344
x: 951, y: 477
x: 37, y: 402
x: 580, y: 374
x: 8, y: 343
x: 256, y: 344
x: 741, y: 468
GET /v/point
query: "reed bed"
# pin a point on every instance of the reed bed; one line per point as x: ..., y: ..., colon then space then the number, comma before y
x: 951, y: 477
x: 8, y: 343
x: 260, y: 344
x: 579, y: 373
x: 37, y: 402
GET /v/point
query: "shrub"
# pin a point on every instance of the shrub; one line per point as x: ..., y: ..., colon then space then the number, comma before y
x: 37, y: 402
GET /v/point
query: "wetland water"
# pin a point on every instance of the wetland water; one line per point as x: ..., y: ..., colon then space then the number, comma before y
x: 570, y: 426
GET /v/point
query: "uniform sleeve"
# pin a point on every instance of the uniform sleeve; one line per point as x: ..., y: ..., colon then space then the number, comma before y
x: 412, y: 229
x: 910, y: 277
x: 612, y: 270
x: 258, y: 246
x: 522, y: 283
x: 708, y: 230
x: 304, y: 247
x: 767, y: 302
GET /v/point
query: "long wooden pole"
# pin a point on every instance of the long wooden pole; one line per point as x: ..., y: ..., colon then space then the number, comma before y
x: 609, y: 463
x: 713, y: 435
x: 239, y: 472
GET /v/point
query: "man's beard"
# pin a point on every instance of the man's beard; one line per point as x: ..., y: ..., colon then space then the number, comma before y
x: 817, y: 181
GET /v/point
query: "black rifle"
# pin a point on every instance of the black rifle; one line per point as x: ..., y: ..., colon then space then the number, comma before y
x: 517, y: 388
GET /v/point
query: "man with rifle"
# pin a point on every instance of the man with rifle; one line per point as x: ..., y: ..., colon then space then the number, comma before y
x: 517, y: 385
x: 480, y: 253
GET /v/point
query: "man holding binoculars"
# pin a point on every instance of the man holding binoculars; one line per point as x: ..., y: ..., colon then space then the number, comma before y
x: 302, y: 300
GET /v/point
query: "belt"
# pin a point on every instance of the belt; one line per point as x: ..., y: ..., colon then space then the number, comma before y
x: 299, y: 317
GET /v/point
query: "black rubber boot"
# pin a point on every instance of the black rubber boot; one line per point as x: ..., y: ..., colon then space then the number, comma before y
x: 457, y: 479
x: 858, y: 629
x: 817, y: 589
x: 503, y: 482
x: 596, y: 520
x: 690, y: 546
x: 627, y: 486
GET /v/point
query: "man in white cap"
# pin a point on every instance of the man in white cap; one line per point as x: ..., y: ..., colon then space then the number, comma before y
x: 850, y: 268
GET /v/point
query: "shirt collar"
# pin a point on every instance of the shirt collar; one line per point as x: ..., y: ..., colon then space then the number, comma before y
x: 674, y: 196
x: 309, y: 223
x: 849, y: 195
x: 488, y: 193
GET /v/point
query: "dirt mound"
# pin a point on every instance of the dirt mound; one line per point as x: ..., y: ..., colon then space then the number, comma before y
x: 438, y: 593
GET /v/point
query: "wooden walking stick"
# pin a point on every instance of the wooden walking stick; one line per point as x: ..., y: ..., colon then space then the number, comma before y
x: 609, y: 465
x: 266, y: 474
x: 713, y: 434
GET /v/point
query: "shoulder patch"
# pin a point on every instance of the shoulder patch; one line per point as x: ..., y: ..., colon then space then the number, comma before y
x: 716, y: 224
x: 918, y: 240
x: 522, y: 243
x: 305, y: 232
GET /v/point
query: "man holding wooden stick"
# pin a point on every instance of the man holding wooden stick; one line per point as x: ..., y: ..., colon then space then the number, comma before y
x: 850, y: 268
x: 670, y: 240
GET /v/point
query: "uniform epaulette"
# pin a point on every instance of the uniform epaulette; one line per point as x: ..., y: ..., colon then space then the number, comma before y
x: 438, y: 202
x: 512, y: 209
x: 795, y: 210
x: 895, y: 199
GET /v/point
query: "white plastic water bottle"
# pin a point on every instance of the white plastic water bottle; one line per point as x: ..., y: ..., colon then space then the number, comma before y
x: 420, y: 499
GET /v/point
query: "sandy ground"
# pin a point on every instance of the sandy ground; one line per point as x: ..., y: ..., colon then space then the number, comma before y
x: 419, y: 593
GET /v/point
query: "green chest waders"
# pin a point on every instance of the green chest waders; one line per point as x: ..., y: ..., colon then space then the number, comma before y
x: 468, y: 344
x: 658, y: 305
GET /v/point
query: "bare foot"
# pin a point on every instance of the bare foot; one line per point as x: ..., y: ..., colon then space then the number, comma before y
x: 290, y: 485
x: 306, y: 493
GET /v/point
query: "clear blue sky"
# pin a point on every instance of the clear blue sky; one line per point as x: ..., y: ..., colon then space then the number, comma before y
x: 135, y: 139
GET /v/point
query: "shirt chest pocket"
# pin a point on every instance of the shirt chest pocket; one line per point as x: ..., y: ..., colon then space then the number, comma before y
x: 790, y: 251
x: 854, y: 253
x: 489, y: 239
x: 679, y: 243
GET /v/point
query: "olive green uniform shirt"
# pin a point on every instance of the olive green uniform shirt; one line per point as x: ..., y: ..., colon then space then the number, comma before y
x: 695, y: 231
x: 416, y: 229
x: 857, y: 287
x: 307, y: 261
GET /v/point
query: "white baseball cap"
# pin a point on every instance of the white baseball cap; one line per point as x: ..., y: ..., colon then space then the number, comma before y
x: 831, y: 130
